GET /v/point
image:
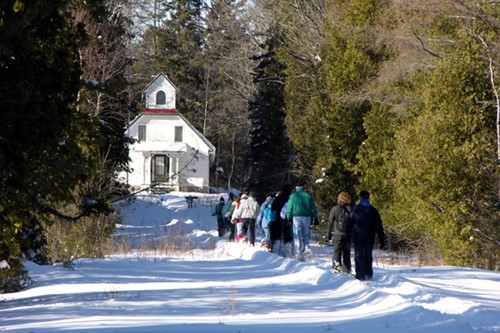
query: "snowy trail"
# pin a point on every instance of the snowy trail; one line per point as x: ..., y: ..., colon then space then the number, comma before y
x: 247, y: 288
x: 235, y: 288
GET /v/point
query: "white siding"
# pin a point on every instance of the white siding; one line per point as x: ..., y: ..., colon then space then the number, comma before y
x: 161, y: 128
x: 161, y: 83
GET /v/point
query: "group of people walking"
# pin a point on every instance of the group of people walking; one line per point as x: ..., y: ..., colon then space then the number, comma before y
x: 285, y: 220
x: 356, y: 225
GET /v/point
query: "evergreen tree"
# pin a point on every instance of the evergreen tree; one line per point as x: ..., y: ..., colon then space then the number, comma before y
x: 376, y: 152
x: 328, y: 131
x: 62, y: 142
x: 269, y: 146
x: 171, y: 38
x: 181, y: 41
x: 422, y: 161
x: 148, y: 17
x: 301, y: 29
x: 43, y: 139
x: 446, y: 160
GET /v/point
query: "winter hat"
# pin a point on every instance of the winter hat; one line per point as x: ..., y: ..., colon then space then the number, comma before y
x: 244, y: 196
x: 221, y: 199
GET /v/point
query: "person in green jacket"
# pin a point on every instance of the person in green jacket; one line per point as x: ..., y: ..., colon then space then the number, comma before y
x: 301, y: 210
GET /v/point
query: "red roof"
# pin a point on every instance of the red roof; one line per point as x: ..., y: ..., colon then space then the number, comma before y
x: 160, y: 111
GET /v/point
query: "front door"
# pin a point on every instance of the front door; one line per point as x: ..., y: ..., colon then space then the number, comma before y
x: 159, y: 168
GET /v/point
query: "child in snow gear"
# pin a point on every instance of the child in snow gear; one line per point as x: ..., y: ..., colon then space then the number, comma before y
x: 229, y: 217
x: 244, y: 218
x: 341, y: 260
x: 362, y: 225
x: 265, y: 217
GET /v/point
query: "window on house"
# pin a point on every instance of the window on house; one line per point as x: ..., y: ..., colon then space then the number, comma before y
x: 159, y: 168
x: 142, y: 133
x: 160, y: 98
x: 178, y: 134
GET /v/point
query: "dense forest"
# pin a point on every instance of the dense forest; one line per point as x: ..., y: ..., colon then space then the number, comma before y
x: 400, y: 98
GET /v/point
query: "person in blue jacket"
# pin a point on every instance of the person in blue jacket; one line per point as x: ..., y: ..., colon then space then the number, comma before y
x: 362, y: 225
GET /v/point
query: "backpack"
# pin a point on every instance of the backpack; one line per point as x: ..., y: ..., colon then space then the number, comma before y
x: 344, y: 214
x: 219, y: 207
x: 268, y: 213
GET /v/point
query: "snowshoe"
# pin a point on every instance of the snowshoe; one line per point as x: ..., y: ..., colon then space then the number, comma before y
x: 308, y: 255
x: 340, y: 271
x: 265, y: 245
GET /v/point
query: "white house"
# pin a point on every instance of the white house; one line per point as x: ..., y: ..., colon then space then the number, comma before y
x: 169, y: 151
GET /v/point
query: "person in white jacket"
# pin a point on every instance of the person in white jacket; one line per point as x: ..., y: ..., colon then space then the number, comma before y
x: 247, y: 211
x: 236, y: 219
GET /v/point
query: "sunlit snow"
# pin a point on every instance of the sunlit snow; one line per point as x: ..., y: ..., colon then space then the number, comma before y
x: 218, y: 286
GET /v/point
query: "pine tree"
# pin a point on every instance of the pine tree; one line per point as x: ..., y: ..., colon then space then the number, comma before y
x: 62, y: 142
x: 301, y: 29
x: 43, y: 147
x: 181, y: 42
x: 148, y: 17
x: 269, y: 145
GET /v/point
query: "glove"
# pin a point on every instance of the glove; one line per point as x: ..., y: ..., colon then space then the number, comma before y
x: 315, y: 222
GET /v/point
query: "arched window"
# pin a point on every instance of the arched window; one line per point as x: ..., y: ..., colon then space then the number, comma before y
x: 160, y: 98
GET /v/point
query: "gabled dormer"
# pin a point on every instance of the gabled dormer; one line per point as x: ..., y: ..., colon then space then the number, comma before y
x: 160, y: 96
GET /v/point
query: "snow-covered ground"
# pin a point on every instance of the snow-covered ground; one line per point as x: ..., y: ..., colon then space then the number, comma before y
x: 217, y: 286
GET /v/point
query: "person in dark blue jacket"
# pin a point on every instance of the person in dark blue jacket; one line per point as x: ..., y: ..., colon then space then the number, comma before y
x: 279, y: 230
x: 221, y: 227
x: 361, y: 226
